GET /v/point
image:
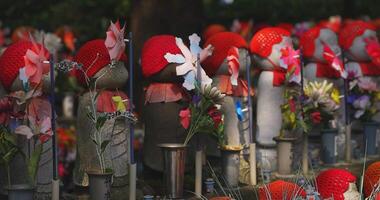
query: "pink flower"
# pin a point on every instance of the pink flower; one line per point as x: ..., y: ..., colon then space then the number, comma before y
x: 366, y: 83
x: 115, y: 41
x: 233, y: 64
x: 185, y: 117
x: 35, y: 67
x: 290, y: 61
x: 39, y: 116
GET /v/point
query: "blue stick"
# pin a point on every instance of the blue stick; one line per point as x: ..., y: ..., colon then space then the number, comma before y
x: 52, y: 102
x: 249, y: 102
x: 131, y: 127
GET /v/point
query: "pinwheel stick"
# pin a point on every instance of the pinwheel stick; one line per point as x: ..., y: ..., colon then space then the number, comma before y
x: 305, y: 141
x: 55, y: 181
x: 132, y: 167
x: 347, y: 115
x: 252, y: 145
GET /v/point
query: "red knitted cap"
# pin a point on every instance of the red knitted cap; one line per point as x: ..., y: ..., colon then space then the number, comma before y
x: 279, y: 189
x: 222, y: 42
x: 263, y: 41
x: 351, y: 31
x: 307, y: 41
x: 95, y: 54
x: 371, y: 178
x: 211, y: 30
x: 12, y: 60
x: 334, y: 182
x: 153, y: 52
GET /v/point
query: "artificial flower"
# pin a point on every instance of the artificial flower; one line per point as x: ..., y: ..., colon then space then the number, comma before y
x: 335, y: 95
x: 185, y: 117
x: 366, y: 83
x: 316, y: 117
x: 233, y: 64
x: 289, y: 60
x: 292, y: 105
x: 36, y: 63
x: 215, y: 115
x: 361, y: 104
x: 115, y: 41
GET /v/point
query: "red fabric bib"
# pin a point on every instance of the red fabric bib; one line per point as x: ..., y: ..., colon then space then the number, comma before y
x: 164, y: 92
x: 326, y: 71
x: 369, y: 69
x: 225, y: 87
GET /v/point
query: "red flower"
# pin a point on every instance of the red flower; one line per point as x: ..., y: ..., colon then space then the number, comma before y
x: 215, y: 115
x: 61, y: 170
x: 316, y: 117
x: 185, y: 117
x: 6, y: 109
x: 292, y: 105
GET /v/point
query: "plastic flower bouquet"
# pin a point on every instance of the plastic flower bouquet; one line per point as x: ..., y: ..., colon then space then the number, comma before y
x: 320, y: 104
x: 364, y: 98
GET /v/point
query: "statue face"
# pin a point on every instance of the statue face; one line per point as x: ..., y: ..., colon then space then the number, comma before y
x: 352, y: 192
x: 115, y: 77
x: 244, y: 60
x: 328, y: 37
x: 357, y: 51
x: 273, y: 59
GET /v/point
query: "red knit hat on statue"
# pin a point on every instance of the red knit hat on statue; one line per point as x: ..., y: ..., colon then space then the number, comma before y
x: 279, y: 189
x: 93, y: 55
x: 351, y: 31
x: 12, y: 60
x: 307, y: 41
x: 222, y: 42
x: 153, y: 52
x: 211, y: 30
x: 334, y: 183
x: 371, y: 178
x: 262, y: 42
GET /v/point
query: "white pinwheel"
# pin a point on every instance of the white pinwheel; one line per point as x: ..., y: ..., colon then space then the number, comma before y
x: 188, y: 60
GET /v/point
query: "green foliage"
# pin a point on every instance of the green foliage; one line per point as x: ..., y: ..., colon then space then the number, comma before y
x: 33, y: 163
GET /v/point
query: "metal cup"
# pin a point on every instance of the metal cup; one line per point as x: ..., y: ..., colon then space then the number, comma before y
x: 174, y: 156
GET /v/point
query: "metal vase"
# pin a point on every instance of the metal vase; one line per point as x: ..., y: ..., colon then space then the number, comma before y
x: 369, y: 137
x: 174, y: 157
x: 284, y: 154
x: 329, y: 151
x: 231, y: 166
x: 22, y: 191
x: 99, y: 185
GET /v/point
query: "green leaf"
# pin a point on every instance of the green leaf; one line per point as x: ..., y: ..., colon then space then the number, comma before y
x: 104, y: 145
x: 100, y: 122
x: 33, y: 163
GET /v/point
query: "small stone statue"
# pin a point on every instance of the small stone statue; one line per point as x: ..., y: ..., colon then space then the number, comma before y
x: 266, y: 46
x: 111, y: 76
